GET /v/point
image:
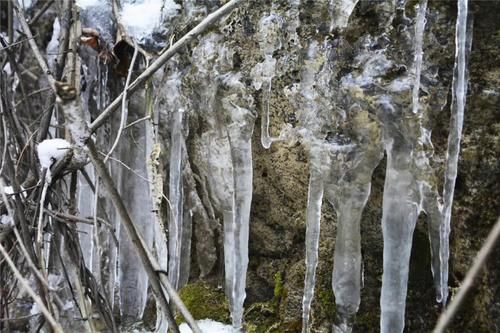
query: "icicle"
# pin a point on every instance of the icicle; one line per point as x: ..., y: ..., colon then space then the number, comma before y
x: 399, y: 216
x: 176, y: 194
x: 237, y: 222
x: 313, y: 219
x: 341, y: 11
x: 265, y: 138
x: 459, y: 92
x: 133, y: 279
x: 346, y: 277
x: 86, y: 209
x: 348, y: 190
x: 263, y: 73
x: 419, y: 40
x: 430, y: 200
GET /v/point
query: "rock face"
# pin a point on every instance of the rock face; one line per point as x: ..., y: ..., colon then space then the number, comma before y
x: 312, y: 79
x: 340, y: 75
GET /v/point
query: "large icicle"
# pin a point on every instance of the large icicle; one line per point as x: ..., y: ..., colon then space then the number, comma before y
x: 399, y: 216
x: 133, y: 279
x: 313, y: 220
x: 237, y: 222
x: 459, y: 92
x: 176, y: 200
x: 348, y: 189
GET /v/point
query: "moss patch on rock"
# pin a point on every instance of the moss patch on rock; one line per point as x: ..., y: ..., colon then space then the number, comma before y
x: 204, y: 301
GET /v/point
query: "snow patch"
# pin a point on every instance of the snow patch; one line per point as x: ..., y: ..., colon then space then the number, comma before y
x: 141, y: 17
x: 53, y: 46
x: 5, y: 220
x: 50, y: 150
x: 208, y: 326
x: 83, y: 4
x: 8, y: 190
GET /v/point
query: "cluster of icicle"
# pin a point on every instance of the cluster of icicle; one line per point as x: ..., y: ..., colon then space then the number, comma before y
x: 340, y: 170
x: 342, y: 173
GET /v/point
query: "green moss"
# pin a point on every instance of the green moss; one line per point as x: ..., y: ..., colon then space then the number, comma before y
x: 279, y: 288
x: 204, y: 301
x: 327, y: 303
x: 366, y: 322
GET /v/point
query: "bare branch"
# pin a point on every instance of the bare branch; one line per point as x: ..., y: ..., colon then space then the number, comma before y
x: 39, y: 14
x: 467, y: 283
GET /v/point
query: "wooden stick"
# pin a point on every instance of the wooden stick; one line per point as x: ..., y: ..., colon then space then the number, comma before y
x: 478, y: 263
x: 163, y: 58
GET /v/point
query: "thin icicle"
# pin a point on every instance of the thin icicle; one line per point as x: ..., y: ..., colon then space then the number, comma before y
x: 265, y: 138
x: 419, y: 40
x: 459, y: 92
x: 269, y: 41
x: 176, y: 199
x: 430, y: 200
x: 313, y: 220
x: 86, y: 209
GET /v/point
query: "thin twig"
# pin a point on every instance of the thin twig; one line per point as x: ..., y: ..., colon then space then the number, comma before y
x: 467, y: 283
x: 39, y: 14
x: 135, y: 122
x: 163, y: 58
x: 16, y: 43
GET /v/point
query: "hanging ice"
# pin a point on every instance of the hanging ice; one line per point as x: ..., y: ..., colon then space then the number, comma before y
x: 133, y: 279
x: 236, y: 222
x: 341, y: 11
x: 400, y: 213
x: 419, y: 40
x: 430, y: 199
x: 313, y: 220
x: 459, y: 92
x: 348, y: 188
x: 263, y: 73
x: 176, y: 224
x: 86, y: 209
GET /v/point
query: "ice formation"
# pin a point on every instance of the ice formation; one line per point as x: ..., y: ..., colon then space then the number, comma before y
x: 133, y: 280
x: 237, y: 221
x: 459, y: 94
x: 340, y: 164
x: 313, y: 218
x: 176, y: 195
x: 263, y: 73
